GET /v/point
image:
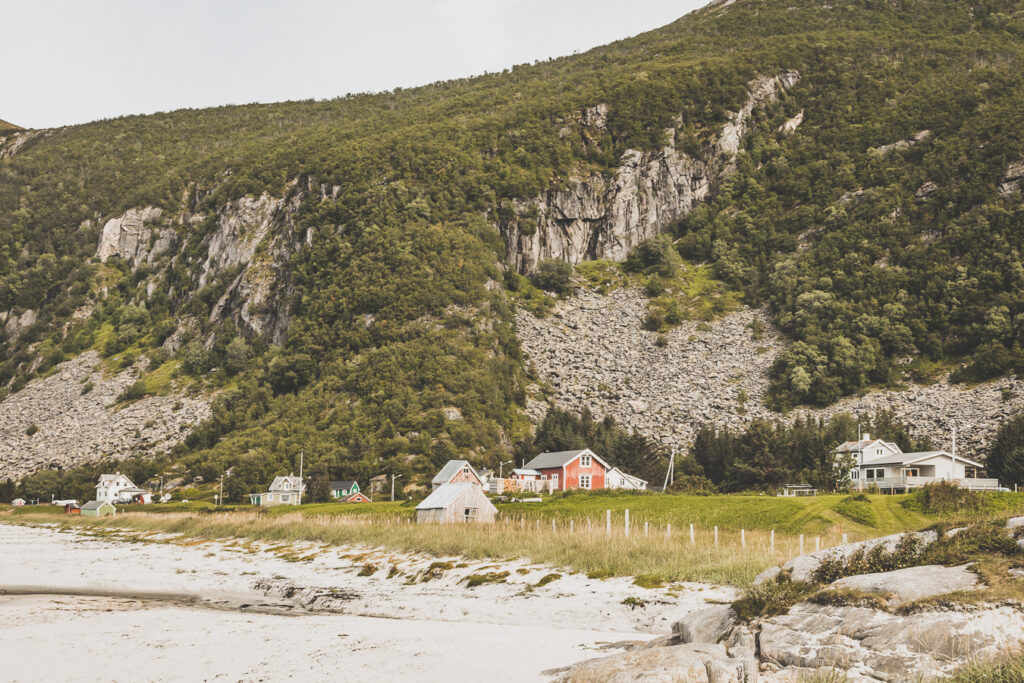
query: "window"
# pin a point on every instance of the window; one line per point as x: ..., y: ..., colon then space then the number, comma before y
x: 878, y: 451
x: 584, y: 461
x: 286, y: 486
x: 584, y: 481
x: 554, y: 478
x: 469, y: 514
x: 855, y: 474
x: 874, y: 473
x: 285, y: 498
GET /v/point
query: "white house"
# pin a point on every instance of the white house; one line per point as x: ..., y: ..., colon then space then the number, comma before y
x: 118, y: 488
x: 284, y: 491
x: 897, y: 471
x: 868, y: 448
x: 617, y: 479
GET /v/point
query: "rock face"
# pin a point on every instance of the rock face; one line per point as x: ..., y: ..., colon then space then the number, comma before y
x: 1013, y: 179
x: 599, y: 217
x: 132, y: 237
x: 76, y: 427
x: 593, y: 352
x: 802, y: 568
x: 708, y: 625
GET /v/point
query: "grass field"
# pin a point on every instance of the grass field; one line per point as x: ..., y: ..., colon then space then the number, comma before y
x: 566, y: 531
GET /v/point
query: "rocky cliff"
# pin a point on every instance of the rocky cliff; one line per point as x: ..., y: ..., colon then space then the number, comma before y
x: 599, y: 217
x: 592, y: 352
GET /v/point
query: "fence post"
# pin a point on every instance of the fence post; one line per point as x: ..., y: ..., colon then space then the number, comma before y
x: 772, y: 541
x: 817, y: 543
x: 743, y: 538
x: 571, y: 525
x: 552, y: 525
x: 608, y: 522
x: 846, y: 539
x: 693, y: 539
x: 627, y: 523
x: 801, y: 544
x: 716, y: 536
x: 668, y: 531
x: 538, y: 525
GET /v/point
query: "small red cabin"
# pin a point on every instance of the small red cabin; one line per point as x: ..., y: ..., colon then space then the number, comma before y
x: 356, y: 497
x: 571, y: 469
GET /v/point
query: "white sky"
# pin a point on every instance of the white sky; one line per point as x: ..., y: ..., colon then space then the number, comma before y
x: 71, y: 61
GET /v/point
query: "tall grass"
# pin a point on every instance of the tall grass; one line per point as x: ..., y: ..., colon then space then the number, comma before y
x: 584, y: 546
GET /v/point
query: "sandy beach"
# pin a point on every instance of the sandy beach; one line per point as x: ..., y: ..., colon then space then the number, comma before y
x: 170, y: 608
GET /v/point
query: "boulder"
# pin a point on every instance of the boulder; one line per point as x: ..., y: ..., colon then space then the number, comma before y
x: 767, y: 575
x: 708, y: 625
x: 913, y: 583
x: 693, y: 663
x: 802, y: 568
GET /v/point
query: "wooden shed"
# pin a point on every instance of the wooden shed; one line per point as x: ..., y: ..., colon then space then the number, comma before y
x: 462, y: 502
x: 98, y: 508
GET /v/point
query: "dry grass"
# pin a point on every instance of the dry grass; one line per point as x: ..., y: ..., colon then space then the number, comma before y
x: 588, y: 547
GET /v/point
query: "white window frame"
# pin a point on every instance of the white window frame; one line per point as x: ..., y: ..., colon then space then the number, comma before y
x: 554, y: 478
x: 286, y: 498
x: 584, y: 461
x: 587, y: 478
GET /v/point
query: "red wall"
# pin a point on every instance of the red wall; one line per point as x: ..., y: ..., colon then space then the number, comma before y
x: 570, y: 478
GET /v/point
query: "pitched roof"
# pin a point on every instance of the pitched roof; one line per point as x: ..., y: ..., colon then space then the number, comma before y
x: 526, y: 473
x: 450, y: 469
x: 910, y: 458
x: 854, y: 446
x: 291, y: 479
x: 95, y: 505
x: 559, y: 459
x: 444, y: 495
x: 111, y: 478
x: 626, y: 475
x: 343, y: 484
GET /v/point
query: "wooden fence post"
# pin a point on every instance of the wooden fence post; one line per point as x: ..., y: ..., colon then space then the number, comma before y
x: 668, y: 531
x: 608, y: 522
x: 743, y: 538
x: 801, y: 544
x: 716, y: 536
x: 817, y: 543
x: 693, y: 538
x: 571, y: 530
x: 626, y: 527
x: 771, y: 541
x: 846, y: 539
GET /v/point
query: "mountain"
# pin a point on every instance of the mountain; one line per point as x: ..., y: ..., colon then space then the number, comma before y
x: 9, y: 127
x: 340, y: 277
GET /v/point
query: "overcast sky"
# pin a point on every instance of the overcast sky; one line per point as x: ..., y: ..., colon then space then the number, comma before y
x: 71, y: 61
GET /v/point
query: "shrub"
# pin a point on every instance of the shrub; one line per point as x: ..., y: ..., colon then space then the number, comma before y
x: 132, y: 392
x: 944, y: 497
x: 32, y: 429
x: 552, y: 275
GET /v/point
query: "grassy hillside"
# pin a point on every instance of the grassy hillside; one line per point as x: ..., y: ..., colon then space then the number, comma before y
x: 396, y: 304
x: 8, y: 127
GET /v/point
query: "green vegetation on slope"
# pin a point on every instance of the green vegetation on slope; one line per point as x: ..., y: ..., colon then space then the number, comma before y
x: 397, y: 310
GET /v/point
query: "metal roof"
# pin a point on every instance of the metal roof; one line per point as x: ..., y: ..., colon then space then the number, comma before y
x: 444, y: 495
x: 450, y: 469
x: 559, y: 459
x: 864, y: 443
x: 910, y: 458
x: 342, y: 484
x: 526, y: 473
x: 95, y: 504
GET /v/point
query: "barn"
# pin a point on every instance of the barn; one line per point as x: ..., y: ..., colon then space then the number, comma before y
x: 456, y: 472
x: 571, y: 469
x: 462, y: 502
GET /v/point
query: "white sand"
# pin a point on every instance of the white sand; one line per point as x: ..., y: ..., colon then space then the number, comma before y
x: 342, y: 624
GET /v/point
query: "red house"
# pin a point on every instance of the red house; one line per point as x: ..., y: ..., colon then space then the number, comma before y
x: 571, y: 469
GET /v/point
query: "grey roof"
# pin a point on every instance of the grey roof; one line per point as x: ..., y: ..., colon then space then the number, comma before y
x: 444, y: 495
x: 854, y: 446
x: 95, y: 505
x: 558, y: 459
x: 450, y: 469
x: 342, y: 484
x: 909, y: 458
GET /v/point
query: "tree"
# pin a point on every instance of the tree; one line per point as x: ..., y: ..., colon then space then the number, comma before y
x: 552, y: 275
x: 1006, y: 455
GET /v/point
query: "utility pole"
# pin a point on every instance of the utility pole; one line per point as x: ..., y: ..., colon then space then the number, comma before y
x: 393, y: 477
x: 668, y: 472
x: 501, y: 465
x: 221, y: 499
x: 301, y: 457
